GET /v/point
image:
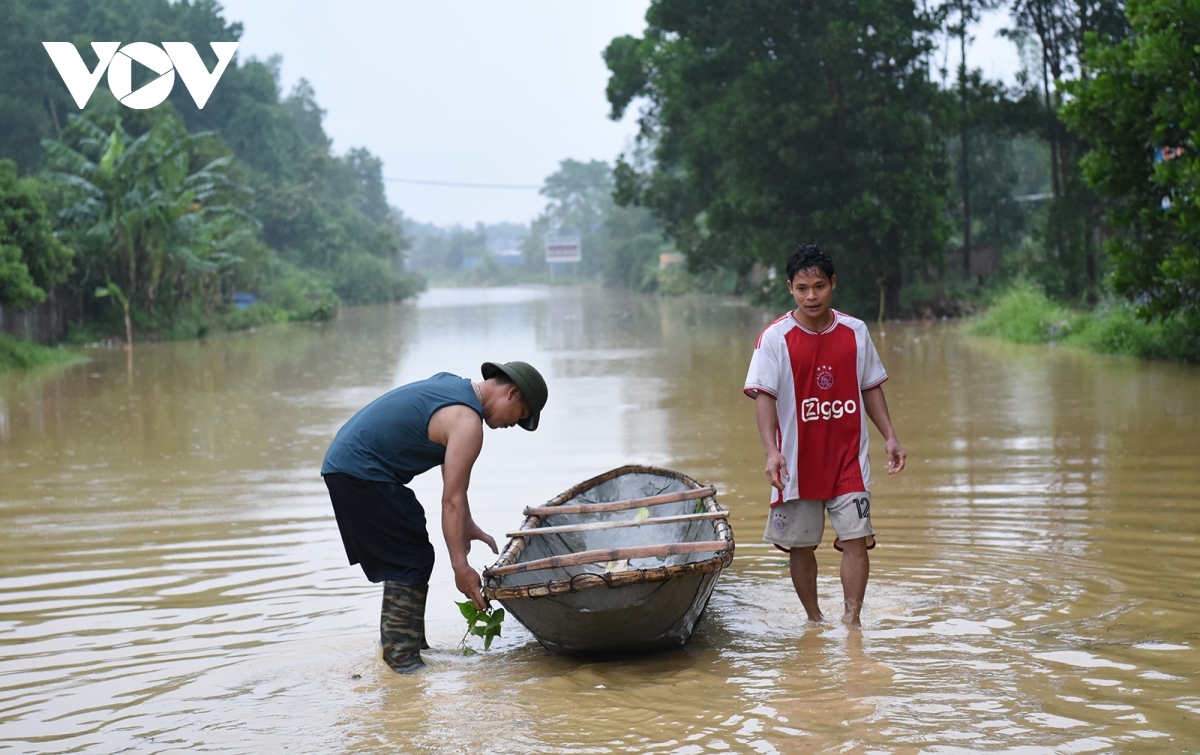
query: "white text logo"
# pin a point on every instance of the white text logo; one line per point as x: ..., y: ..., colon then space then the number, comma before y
x: 164, y: 61
x: 812, y: 409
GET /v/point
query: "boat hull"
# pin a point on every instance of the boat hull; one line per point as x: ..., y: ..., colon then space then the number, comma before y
x: 642, y: 618
x: 616, y: 608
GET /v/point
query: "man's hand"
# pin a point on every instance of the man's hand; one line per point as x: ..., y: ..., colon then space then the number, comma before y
x: 876, y: 407
x: 895, y: 455
x: 768, y: 428
x: 776, y: 469
x: 474, y: 533
x: 466, y: 580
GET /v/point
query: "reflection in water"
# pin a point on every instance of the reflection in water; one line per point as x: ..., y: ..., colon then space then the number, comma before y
x: 172, y: 577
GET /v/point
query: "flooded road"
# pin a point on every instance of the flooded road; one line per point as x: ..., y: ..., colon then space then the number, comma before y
x: 172, y: 577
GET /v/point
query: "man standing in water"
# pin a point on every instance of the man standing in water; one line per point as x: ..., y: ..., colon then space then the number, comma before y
x: 396, y: 437
x: 814, y: 373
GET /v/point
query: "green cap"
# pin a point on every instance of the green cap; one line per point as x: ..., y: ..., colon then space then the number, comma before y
x: 530, y: 383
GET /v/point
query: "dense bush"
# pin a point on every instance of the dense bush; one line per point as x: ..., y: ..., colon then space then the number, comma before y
x: 1024, y: 314
x: 303, y: 294
x: 18, y: 355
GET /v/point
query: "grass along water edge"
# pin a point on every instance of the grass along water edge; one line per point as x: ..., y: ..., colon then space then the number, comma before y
x: 1024, y: 314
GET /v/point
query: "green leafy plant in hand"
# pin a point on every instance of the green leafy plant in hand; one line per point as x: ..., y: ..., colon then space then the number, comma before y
x: 485, y: 624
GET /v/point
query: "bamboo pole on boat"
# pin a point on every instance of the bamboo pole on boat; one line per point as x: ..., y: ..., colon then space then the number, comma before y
x: 615, y: 524
x: 636, y: 503
x: 610, y: 554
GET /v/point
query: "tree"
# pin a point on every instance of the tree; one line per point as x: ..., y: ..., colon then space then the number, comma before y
x: 579, y: 198
x: 968, y: 12
x: 145, y: 214
x: 772, y: 122
x: 32, y: 260
x: 35, y: 105
x: 618, y: 241
x: 1073, y: 223
x: 1140, y: 111
x: 325, y: 212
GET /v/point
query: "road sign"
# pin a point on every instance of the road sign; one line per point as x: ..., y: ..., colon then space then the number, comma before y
x: 563, y: 249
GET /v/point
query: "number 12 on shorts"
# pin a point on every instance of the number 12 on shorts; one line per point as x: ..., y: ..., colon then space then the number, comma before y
x: 864, y: 507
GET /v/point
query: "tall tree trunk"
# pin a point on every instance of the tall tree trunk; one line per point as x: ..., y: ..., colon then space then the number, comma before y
x: 131, y: 250
x: 128, y: 329
x: 54, y: 116
x: 155, y: 278
x: 966, y: 169
x: 1055, y: 176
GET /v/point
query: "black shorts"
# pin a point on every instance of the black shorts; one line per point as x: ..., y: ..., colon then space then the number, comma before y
x: 383, y: 528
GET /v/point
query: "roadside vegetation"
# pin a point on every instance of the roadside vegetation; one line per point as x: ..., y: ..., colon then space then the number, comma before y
x: 23, y: 355
x: 175, y: 222
x: 761, y: 125
x: 1024, y: 314
x: 764, y: 124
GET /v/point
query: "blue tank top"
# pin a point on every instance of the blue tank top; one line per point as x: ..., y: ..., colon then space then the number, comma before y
x: 388, y: 440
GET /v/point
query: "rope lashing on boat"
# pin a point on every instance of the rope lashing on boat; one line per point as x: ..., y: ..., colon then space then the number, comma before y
x: 606, y: 577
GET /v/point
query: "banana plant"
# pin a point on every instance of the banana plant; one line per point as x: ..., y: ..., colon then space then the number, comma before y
x: 150, y: 215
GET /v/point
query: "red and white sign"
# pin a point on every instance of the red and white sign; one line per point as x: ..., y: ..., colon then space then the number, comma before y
x: 563, y: 249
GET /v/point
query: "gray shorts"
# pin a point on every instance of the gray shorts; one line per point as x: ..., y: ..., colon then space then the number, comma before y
x: 800, y: 523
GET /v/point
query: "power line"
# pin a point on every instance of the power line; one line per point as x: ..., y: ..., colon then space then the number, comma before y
x: 461, y: 185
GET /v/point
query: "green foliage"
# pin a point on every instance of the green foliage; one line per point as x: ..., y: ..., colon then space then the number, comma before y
x: 633, y: 242
x: 991, y: 120
x: 254, y: 316
x: 32, y: 260
x: 1024, y: 314
x: 1116, y: 328
x: 677, y: 280
x: 579, y: 199
x: 175, y: 215
x: 1140, y: 109
x: 1070, y: 262
x: 771, y: 123
x: 438, y: 250
x: 619, y: 243
x: 485, y: 624
x: 366, y: 279
x: 302, y: 294
x: 34, y: 104
x: 22, y: 355
x: 143, y: 216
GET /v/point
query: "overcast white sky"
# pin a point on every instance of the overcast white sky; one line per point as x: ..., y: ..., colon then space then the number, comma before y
x: 469, y: 91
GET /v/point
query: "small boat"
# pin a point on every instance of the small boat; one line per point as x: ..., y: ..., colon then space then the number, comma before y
x: 622, y: 563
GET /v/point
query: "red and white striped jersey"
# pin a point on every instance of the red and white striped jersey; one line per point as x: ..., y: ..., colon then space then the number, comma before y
x: 817, y: 380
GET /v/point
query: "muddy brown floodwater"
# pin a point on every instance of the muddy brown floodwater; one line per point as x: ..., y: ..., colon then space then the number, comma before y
x: 172, y: 577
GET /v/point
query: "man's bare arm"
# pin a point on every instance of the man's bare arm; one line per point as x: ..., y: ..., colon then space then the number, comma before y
x: 461, y: 431
x: 766, y: 415
x: 876, y: 407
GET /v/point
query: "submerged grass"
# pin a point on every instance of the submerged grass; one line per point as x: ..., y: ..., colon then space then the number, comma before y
x: 1024, y: 314
x: 23, y: 355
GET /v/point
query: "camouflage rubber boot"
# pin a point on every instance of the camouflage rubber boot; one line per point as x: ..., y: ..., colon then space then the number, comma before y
x: 402, y: 625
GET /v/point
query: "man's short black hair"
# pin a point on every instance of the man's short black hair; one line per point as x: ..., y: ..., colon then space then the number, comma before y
x: 809, y: 257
